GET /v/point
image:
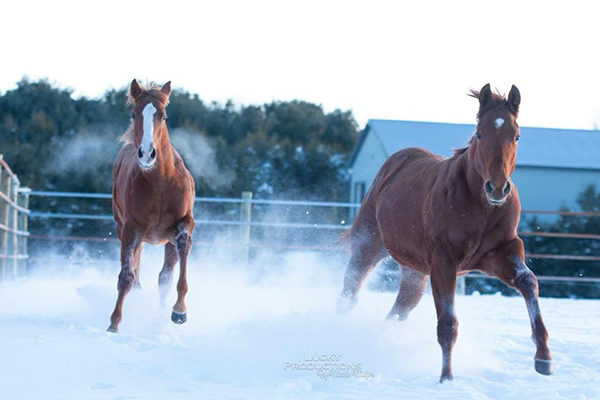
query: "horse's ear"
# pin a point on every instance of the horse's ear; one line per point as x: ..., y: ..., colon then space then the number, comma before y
x: 166, y: 89
x: 514, y: 100
x: 134, y: 89
x: 485, y: 94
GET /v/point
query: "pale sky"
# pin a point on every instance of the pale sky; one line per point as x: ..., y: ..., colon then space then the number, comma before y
x: 411, y: 60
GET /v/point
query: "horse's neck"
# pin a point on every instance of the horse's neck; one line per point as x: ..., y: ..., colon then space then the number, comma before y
x: 465, y: 168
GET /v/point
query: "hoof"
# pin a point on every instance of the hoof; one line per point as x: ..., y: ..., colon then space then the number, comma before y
x: 544, y: 367
x: 447, y: 377
x: 112, y: 330
x: 178, y: 318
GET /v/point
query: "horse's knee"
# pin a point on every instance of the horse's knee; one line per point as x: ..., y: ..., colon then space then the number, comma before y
x: 183, y: 241
x: 526, y: 281
x: 447, y: 329
x: 126, y: 279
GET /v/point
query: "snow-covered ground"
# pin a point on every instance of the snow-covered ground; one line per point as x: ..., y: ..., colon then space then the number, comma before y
x: 248, y: 334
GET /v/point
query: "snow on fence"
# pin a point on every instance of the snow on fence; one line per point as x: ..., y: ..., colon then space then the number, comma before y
x: 245, y: 223
x: 14, y: 202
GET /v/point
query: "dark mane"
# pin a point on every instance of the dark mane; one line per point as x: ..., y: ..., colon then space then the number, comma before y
x: 152, y: 90
x: 458, y: 152
x: 496, y: 100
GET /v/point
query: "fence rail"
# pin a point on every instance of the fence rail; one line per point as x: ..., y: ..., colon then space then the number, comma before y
x: 14, y: 214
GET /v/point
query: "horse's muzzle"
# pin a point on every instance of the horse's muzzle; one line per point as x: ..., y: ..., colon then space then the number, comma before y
x: 496, y: 195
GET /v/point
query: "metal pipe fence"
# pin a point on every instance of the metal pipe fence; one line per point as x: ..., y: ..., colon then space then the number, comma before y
x: 14, y: 214
x: 245, y: 223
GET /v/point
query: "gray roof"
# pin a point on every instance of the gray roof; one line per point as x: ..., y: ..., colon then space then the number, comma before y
x: 538, y: 147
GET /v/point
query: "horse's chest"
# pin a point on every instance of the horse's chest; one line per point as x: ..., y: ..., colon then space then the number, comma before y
x: 459, y: 230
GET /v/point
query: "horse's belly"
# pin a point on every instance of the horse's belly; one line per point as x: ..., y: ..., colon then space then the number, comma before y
x: 157, y: 236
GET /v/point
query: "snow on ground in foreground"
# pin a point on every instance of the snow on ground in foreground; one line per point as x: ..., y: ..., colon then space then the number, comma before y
x: 244, y: 327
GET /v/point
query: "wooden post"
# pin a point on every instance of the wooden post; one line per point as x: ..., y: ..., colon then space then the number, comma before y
x: 246, y: 217
x: 4, y: 211
x: 14, y: 224
x: 24, y: 226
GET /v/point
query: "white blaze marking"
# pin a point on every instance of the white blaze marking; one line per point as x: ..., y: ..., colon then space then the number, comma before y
x: 148, y: 126
x: 499, y: 122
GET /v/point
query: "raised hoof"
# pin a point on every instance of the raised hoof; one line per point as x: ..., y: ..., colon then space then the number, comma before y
x: 178, y: 318
x: 112, y: 330
x: 544, y: 367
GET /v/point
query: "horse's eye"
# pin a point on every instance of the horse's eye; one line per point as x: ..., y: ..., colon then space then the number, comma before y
x: 517, y: 138
x: 132, y: 115
x: 478, y: 135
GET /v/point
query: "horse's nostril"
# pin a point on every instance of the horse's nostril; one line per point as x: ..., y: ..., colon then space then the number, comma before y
x: 489, y: 188
x: 153, y: 153
x: 140, y: 152
x: 506, y: 189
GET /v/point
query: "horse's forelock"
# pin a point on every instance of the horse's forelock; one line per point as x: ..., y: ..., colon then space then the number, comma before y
x: 496, y: 100
x: 152, y: 90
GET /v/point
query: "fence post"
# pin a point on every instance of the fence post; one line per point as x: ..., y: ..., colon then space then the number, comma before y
x: 246, y: 217
x: 4, y: 211
x: 461, y: 285
x: 14, y: 224
x: 23, y: 226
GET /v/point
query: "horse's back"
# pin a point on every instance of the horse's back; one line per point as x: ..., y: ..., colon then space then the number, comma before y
x: 403, y: 169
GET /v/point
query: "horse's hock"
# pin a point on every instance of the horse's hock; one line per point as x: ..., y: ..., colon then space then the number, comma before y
x: 14, y: 213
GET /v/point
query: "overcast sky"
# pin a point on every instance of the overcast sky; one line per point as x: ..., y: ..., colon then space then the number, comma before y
x: 411, y: 60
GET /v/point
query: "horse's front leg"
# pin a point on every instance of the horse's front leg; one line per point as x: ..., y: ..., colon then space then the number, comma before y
x: 443, y: 286
x: 166, y: 273
x: 508, y: 264
x: 183, y: 244
x: 131, y: 247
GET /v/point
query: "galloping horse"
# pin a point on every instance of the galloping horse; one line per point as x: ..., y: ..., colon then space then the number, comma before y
x: 153, y: 198
x: 444, y: 217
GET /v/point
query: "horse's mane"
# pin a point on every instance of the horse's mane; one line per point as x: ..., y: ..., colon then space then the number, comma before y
x: 152, y: 90
x: 496, y: 100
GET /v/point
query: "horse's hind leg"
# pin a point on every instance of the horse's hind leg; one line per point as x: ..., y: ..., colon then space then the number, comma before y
x: 131, y: 248
x: 366, y: 252
x: 166, y: 274
x: 412, y: 287
x: 183, y: 244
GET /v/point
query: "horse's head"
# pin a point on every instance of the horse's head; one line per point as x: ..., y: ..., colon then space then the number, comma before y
x: 496, y: 141
x: 148, y: 120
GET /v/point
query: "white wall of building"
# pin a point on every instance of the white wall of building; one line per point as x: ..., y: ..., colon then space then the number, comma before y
x: 549, y: 189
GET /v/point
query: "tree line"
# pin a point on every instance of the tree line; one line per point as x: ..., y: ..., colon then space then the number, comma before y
x: 54, y: 141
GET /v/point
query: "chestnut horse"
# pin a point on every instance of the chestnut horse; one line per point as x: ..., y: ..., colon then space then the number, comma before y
x: 444, y: 217
x: 153, y: 198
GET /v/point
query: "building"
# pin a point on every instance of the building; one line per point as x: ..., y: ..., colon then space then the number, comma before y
x: 553, y: 165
